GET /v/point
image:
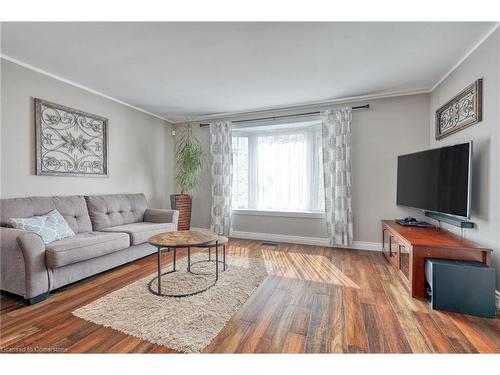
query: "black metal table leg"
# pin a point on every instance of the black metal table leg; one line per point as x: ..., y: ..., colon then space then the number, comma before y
x: 224, y: 256
x: 189, y: 259
x: 216, y: 260
x: 209, y: 253
x: 159, y: 270
x: 175, y: 256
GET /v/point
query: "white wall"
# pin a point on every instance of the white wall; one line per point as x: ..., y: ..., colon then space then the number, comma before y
x: 392, y: 126
x: 140, y: 146
x: 484, y: 63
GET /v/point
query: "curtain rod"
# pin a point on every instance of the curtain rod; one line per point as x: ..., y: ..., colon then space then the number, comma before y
x: 366, y: 106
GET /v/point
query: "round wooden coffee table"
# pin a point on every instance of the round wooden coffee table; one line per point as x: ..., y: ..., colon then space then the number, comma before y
x: 183, y: 239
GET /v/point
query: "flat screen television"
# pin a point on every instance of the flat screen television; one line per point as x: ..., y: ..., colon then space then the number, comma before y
x: 436, y: 180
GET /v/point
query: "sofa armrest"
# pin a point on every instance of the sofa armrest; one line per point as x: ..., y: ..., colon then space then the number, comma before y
x: 156, y: 215
x: 23, y: 269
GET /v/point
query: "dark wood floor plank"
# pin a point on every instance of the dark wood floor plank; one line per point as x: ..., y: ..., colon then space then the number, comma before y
x: 302, y: 310
x: 369, y: 281
x: 489, y: 328
x: 274, y: 334
x: 476, y: 338
x: 230, y: 341
x: 125, y: 345
x: 375, y: 334
x: 255, y: 339
x: 355, y: 332
x: 294, y: 343
x: 455, y: 336
x: 336, y: 339
x: 256, y: 304
x: 282, y: 323
x: 90, y: 342
x: 44, y: 336
x: 413, y: 334
x: 391, y: 326
x: 19, y: 336
x: 438, y: 341
x: 317, y: 332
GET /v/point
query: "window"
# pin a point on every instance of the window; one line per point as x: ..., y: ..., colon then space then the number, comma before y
x: 278, y: 168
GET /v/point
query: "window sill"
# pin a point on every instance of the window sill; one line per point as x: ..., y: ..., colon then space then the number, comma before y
x: 301, y: 214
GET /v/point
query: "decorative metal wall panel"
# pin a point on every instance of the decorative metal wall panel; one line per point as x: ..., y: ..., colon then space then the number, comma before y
x: 70, y: 142
x: 464, y: 110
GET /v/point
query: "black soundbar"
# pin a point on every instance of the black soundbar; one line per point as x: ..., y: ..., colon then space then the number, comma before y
x: 455, y: 221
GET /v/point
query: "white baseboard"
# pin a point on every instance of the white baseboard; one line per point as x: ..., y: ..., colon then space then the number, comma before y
x: 316, y: 241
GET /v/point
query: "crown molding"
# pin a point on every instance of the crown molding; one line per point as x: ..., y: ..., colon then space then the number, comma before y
x: 67, y: 81
x: 476, y: 46
x: 308, y: 105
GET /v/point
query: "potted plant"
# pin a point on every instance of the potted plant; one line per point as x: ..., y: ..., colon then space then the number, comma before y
x: 190, y: 159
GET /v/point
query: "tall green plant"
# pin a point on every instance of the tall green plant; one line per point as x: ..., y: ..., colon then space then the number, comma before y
x: 190, y: 160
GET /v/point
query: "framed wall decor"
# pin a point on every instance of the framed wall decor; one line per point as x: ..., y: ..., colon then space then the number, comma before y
x: 70, y: 142
x: 464, y: 110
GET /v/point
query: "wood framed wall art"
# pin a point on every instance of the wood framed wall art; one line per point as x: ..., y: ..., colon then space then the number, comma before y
x: 464, y: 110
x: 70, y: 142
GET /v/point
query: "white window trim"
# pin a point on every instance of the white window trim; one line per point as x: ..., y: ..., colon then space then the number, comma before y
x: 300, y: 214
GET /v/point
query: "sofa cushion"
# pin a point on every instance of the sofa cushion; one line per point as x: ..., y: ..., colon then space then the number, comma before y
x: 84, y: 246
x: 141, y: 232
x: 72, y: 208
x: 115, y: 209
x: 50, y: 227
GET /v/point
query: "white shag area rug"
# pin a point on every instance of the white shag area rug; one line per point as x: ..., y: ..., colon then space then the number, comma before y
x: 185, y: 324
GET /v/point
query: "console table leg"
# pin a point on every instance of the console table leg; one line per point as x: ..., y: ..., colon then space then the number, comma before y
x: 417, y: 273
x: 487, y: 258
x: 189, y: 259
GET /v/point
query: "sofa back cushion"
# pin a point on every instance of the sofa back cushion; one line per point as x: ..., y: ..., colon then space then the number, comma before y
x: 72, y: 208
x: 115, y: 209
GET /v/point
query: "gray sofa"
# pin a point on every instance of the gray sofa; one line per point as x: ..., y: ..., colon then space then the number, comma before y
x: 110, y: 230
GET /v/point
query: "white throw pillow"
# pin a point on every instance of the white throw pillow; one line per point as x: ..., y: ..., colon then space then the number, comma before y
x: 51, y: 227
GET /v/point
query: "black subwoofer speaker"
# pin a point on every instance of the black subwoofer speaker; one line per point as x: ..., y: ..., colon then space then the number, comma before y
x: 460, y: 286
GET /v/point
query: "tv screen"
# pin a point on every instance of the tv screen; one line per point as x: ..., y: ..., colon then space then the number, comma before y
x: 436, y: 180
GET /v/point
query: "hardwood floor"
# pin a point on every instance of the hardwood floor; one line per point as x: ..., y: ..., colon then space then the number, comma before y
x: 315, y: 300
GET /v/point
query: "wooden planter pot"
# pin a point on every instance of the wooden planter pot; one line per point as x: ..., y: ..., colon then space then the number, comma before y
x: 182, y: 203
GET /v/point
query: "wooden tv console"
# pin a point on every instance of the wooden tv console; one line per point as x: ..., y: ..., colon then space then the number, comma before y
x: 407, y: 247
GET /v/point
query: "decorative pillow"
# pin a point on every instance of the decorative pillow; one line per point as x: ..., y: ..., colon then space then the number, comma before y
x: 51, y: 227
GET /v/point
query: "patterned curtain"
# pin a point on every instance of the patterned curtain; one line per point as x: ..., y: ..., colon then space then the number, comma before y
x: 336, y: 141
x: 221, y: 160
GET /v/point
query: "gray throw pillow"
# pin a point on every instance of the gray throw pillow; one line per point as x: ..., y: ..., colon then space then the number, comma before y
x: 51, y: 227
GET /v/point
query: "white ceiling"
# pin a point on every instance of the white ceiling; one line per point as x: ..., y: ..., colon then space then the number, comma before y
x: 187, y: 70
